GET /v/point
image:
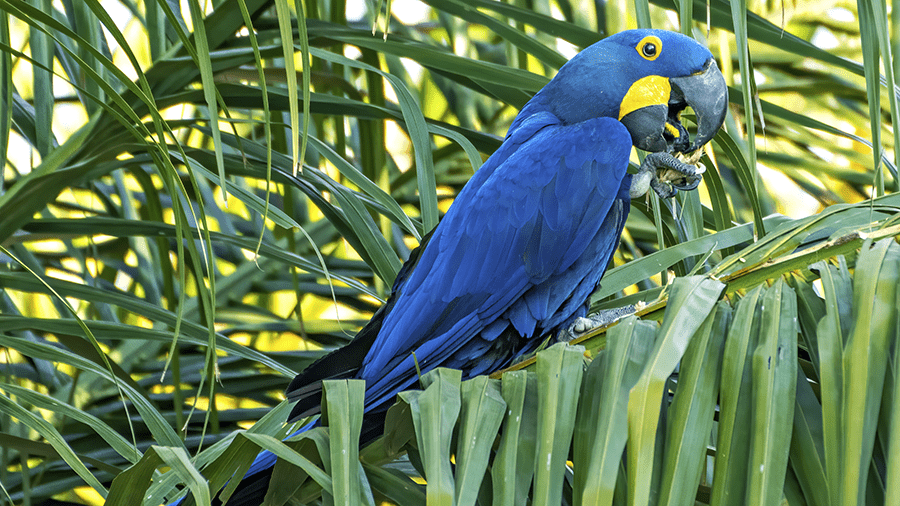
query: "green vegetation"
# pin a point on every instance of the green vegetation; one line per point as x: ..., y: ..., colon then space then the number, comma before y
x: 154, y: 260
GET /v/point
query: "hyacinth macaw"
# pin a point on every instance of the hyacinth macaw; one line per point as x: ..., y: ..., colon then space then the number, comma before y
x: 528, y: 239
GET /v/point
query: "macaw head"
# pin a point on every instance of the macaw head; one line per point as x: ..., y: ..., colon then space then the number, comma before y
x: 645, y: 79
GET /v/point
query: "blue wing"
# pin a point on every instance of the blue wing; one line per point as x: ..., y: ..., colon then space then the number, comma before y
x: 521, y: 249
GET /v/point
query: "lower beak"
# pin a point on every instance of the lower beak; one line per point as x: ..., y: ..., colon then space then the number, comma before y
x: 707, y: 94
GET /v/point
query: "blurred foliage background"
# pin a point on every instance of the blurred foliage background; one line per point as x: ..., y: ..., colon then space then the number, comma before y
x: 200, y: 198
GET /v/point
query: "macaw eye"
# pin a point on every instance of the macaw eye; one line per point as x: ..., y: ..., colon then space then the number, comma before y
x: 649, y: 47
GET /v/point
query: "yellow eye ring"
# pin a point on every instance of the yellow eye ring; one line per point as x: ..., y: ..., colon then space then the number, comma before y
x: 649, y: 47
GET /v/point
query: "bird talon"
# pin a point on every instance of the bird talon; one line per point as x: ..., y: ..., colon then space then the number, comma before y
x: 584, y: 325
x: 663, y: 189
x: 688, y: 183
x: 666, y: 174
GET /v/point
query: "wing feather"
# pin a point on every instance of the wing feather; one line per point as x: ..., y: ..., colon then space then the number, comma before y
x: 498, y: 242
x: 517, y: 254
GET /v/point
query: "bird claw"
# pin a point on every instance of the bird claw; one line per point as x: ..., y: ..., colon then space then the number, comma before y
x: 584, y: 325
x: 666, y: 174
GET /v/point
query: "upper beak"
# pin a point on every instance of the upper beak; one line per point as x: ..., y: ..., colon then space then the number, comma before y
x: 654, y: 118
x: 707, y: 94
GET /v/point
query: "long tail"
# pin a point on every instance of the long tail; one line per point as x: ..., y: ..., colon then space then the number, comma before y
x: 253, y: 486
x: 306, y: 390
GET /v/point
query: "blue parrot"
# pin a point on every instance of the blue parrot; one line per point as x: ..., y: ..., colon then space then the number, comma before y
x: 527, y: 240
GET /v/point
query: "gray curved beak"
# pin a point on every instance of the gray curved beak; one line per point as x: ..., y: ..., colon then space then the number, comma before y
x: 707, y: 94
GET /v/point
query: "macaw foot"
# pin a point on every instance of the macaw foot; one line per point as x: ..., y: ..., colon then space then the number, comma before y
x: 583, y: 325
x: 666, y: 175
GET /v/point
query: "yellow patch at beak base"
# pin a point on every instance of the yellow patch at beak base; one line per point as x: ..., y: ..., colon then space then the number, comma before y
x: 650, y: 90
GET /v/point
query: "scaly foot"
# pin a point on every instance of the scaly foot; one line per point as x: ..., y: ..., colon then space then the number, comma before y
x: 583, y: 325
x: 666, y: 175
